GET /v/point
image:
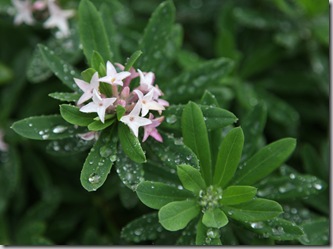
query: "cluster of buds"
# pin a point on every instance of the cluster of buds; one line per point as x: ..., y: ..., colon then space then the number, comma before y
x: 137, y: 102
x: 47, y: 11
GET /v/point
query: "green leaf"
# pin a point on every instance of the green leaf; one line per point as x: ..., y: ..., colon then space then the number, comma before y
x: 108, y: 17
x: 134, y: 57
x: 176, y: 215
x: 264, y: 161
x: 92, y: 32
x: 292, y: 186
x: 6, y: 73
x: 68, y: 146
x: 130, y: 144
x: 142, y: 229
x: 156, y: 37
x: 214, y: 117
x: 255, y: 210
x: 228, y: 157
x: 253, y: 126
x: 68, y: 97
x: 120, y: 110
x: 99, y: 161
x: 207, y: 236
x: 60, y: 68
x: 129, y: 172
x: 277, y: 229
x: 316, y: 232
x: 191, y: 84
x: 196, y: 138
x: 155, y: 194
x: 96, y: 61
x: 191, y: 178
x: 88, y: 74
x: 215, y: 218
x: 73, y: 115
x: 238, y: 194
x: 97, y: 125
x: 44, y: 127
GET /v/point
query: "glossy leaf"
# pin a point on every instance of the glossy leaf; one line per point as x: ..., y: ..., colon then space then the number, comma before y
x: 44, y: 127
x: 215, y: 218
x: 277, y: 229
x: 159, y: 29
x: 67, y: 97
x: 196, y: 138
x: 191, y: 178
x: 291, y: 187
x: 92, y: 32
x: 176, y: 215
x: 87, y: 74
x: 68, y: 146
x: 129, y: 172
x: 134, y: 57
x: 255, y: 210
x: 316, y: 232
x: 237, y: 194
x: 214, y: 117
x: 130, y: 144
x: 96, y: 62
x: 60, y: 68
x: 99, y: 161
x: 189, y: 85
x: 142, y: 229
x: 172, y: 152
x: 155, y: 195
x: 228, y: 157
x: 97, y: 125
x: 73, y: 115
x: 264, y: 161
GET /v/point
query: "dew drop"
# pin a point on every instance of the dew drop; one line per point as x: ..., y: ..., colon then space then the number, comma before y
x: 257, y: 225
x: 45, y: 136
x: 317, y: 186
x: 105, y: 151
x: 171, y: 119
x: 94, y: 178
x: 59, y: 129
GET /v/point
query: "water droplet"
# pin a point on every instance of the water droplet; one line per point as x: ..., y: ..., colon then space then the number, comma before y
x: 292, y: 176
x: 257, y: 225
x: 105, y: 151
x: 45, y: 136
x: 113, y: 158
x: 30, y: 125
x: 171, y: 119
x: 94, y: 178
x: 59, y: 129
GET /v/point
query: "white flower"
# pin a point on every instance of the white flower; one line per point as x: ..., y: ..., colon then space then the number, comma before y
x: 24, y: 12
x: 58, y: 18
x: 147, y: 82
x: 148, y: 103
x: 112, y: 77
x: 134, y: 121
x: 87, y: 88
x: 98, y: 105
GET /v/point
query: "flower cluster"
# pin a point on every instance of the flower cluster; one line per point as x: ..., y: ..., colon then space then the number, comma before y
x: 47, y: 11
x: 142, y: 99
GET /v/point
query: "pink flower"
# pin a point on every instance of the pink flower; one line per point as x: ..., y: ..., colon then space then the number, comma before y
x: 24, y: 12
x: 112, y: 77
x: 133, y: 75
x: 134, y: 121
x: 98, y: 105
x: 87, y: 88
x: 150, y: 130
x: 89, y: 135
x: 58, y: 18
x: 148, y: 103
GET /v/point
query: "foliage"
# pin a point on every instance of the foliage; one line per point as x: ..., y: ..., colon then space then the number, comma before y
x: 242, y: 82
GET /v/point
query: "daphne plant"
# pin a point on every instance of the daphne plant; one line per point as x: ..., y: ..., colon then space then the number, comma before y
x: 212, y: 195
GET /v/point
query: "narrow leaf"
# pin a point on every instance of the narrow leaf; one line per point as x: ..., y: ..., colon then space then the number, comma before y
x: 96, y: 61
x: 207, y: 236
x: 156, y: 195
x: 264, y: 161
x: 134, y: 57
x: 228, y: 157
x: 130, y: 144
x: 215, y: 218
x: 196, y: 138
x: 238, y: 194
x: 60, y: 68
x: 92, y: 32
x: 73, y: 115
x: 191, y: 178
x: 176, y: 215
x: 44, y: 128
x: 255, y: 210
x: 68, y: 97
x: 99, y: 161
x: 97, y: 125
